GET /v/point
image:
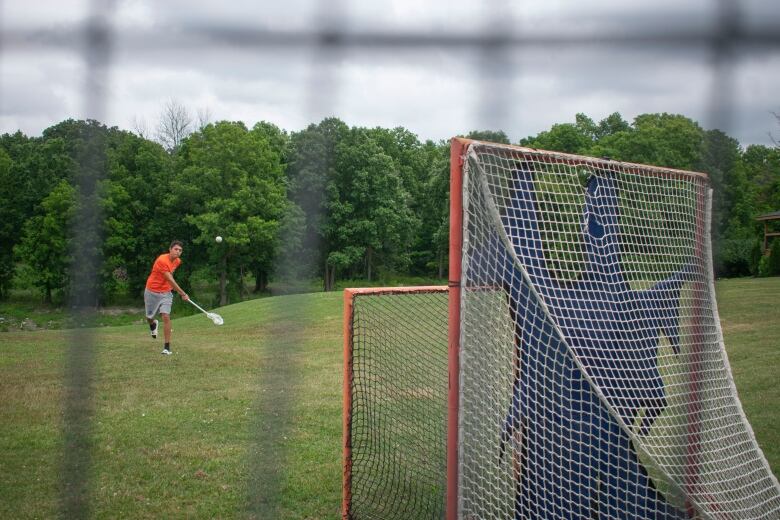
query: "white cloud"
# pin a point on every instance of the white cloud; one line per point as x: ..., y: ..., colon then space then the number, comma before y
x: 48, y: 14
x: 136, y: 14
x: 30, y: 98
x: 431, y: 102
x: 435, y: 92
x: 756, y: 89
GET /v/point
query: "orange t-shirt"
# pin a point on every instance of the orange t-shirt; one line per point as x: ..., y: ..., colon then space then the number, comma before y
x: 156, y: 281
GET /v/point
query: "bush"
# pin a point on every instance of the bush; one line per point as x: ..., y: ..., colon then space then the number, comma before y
x: 774, y: 258
x: 769, y: 265
x: 755, y: 257
x: 737, y: 257
x: 763, y: 267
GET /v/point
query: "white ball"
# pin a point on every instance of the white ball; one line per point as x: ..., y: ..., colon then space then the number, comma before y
x: 219, y: 239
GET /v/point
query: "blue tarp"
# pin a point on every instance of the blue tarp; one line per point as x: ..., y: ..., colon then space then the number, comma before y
x: 577, y: 459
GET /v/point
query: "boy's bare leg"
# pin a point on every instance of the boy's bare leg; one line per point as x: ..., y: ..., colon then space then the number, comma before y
x: 166, y: 332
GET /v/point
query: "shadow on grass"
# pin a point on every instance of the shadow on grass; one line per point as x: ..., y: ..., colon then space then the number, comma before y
x: 273, y: 413
x: 77, y: 430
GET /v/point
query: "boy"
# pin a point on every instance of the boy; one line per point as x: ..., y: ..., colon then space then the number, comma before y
x: 158, y: 296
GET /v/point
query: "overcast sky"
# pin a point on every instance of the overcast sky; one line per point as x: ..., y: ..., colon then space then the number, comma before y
x: 252, y: 61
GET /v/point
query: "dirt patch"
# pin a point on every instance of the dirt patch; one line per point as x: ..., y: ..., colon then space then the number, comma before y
x: 736, y: 327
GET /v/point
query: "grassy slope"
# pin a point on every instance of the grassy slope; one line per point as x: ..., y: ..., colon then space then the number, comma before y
x: 177, y: 436
x: 245, y: 420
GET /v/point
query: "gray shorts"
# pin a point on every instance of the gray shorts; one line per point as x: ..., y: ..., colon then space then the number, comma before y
x: 157, y: 302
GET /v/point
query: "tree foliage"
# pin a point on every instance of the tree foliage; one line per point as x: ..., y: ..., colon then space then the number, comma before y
x: 564, y: 137
x: 11, y: 220
x: 311, y: 166
x: 491, y: 136
x: 329, y: 201
x: 369, y: 217
x: 229, y: 182
x: 46, y: 245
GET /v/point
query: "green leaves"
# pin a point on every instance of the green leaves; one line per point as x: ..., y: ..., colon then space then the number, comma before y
x: 46, y: 243
x: 327, y: 201
x: 368, y: 207
x: 230, y: 182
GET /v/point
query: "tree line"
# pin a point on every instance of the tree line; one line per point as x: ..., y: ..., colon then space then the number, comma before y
x: 328, y: 202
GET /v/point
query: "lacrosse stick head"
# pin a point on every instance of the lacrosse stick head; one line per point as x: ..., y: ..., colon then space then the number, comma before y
x: 216, y: 318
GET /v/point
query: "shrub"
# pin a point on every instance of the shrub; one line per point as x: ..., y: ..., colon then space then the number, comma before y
x: 774, y: 258
x: 736, y: 257
x: 763, y: 266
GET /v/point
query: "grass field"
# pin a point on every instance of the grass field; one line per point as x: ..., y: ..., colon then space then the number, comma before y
x: 244, y: 420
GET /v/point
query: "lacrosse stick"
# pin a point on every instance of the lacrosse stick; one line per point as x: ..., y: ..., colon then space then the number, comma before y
x: 216, y: 318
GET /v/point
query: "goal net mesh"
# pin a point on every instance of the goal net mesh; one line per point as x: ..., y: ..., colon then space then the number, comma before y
x: 593, y: 378
x: 396, y: 427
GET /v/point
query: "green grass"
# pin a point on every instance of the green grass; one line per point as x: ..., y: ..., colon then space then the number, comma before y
x: 25, y: 310
x: 244, y: 420
x: 750, y: 318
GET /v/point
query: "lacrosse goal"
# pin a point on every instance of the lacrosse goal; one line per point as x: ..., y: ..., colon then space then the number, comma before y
x: 576, y: 368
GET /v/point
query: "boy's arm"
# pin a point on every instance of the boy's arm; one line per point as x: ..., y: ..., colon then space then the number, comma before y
x: 168, y: 276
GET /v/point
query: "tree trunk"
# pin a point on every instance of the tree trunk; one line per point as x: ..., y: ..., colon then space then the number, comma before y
x: 441, y: 263
x: 257, y: 272
x: 330, y: 277
x: 223, y: 300
x: 241, y: 291
x: 47, y: 296
x: 326, y: 278
x: 368, y: 263
x: 261, y: 281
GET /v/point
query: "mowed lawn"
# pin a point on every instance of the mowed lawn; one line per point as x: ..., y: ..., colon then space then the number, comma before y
x: 244, y: 420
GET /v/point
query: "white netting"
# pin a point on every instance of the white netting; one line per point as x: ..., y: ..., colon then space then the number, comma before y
x: 594, y: 383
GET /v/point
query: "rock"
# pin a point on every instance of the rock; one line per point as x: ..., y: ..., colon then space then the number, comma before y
x: 28, y: 324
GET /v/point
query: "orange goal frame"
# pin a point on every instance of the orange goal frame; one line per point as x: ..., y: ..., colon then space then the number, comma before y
x: 458, y: 147
x: 349, y: 300
x: 458, y: 150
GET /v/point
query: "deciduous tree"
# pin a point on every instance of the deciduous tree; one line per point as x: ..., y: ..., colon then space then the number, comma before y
x: 230, y: 183
x: 46, y: 245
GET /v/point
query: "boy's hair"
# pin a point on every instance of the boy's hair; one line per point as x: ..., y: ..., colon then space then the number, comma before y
x: 176, y: 243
